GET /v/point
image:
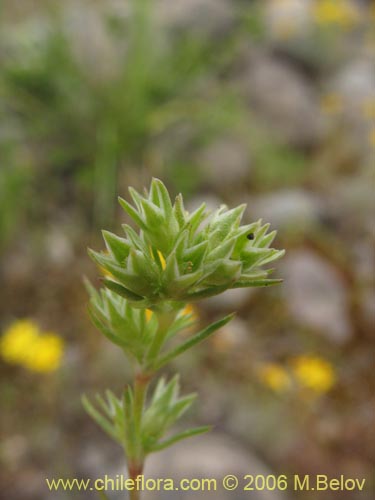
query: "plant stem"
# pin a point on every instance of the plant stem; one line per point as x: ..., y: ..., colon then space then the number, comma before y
x: 136, y: 463
x: 141, y: 383
x: 135, y: 470
x: 165, y: 319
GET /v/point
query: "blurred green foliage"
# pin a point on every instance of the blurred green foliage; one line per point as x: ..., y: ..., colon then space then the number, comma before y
x: 79, y: 131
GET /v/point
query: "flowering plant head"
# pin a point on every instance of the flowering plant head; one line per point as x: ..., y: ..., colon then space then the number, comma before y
x: 179, y: 256
x: 175, y: 258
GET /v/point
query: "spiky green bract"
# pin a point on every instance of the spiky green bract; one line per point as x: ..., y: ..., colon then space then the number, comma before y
x: 116, y: 417
x: 134, y: 330
x: 122, y: 324
x: 178, y: 256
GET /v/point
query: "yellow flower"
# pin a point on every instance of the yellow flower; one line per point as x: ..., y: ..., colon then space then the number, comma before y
x: 313, y: 373
x: 17, y: 340
x: 46, y: 353
x: 339, y: 12
x: 24, y: 344
x: 275, y: 377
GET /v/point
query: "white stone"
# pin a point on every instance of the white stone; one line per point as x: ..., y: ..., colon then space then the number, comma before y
x: 316, y: 294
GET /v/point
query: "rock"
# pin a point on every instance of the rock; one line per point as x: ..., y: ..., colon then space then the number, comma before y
x: 233, y: 336
x: 283, y: 97
x: 288, y: 208
x: 58, y: 247
x: 200, y: 17
x: 351, y: 203
x: 225, y: 163
x: 13, y: 451
x: 316, y: 294
x: 230, y: 300
x: 355, y: 85
x: 368, y: 307
x: 210, y: 456
x: 356, y: 80
x: 287, y: 19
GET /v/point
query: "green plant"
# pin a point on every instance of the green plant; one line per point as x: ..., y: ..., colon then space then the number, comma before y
x: 176, y: 258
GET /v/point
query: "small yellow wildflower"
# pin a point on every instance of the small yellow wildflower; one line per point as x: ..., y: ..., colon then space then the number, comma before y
x: 340, y: 12
x: 17, y: 340
x: 24, y: 344
x: 313, y: 373
x: 275, y: 377
x: 46, y: 353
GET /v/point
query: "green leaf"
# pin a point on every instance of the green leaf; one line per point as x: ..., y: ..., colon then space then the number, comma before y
x: 91, y: 290
x: 99, y: 258
x: 135, y: 238
x: 252, y: 256
x: 185, y: 281
x: 225, y: 220
x: 267, y: 240
x: 105, y: 331
x: 180, y: 407
x: 259, y: 235
x: 105, y: 407
x: 199, y: 337
x: 196, y: 218
x: 164, y: 198
x: 255, y: 283
x: 98, y: 418
x: 196, y: 253
x: 154, y: 194
x: 179, y: 211
x: 178, y: 437
x: 137, y: 198
x: 205, y: 293
x: 153, y: 214
x: 121, y: 290
x: 118, y: 247
x: 138, y: 284
x: 226, y: 272
x: 132, y: 212
x: 222, y: 251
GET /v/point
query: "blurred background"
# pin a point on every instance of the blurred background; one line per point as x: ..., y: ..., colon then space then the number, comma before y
x: 271, y: 103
